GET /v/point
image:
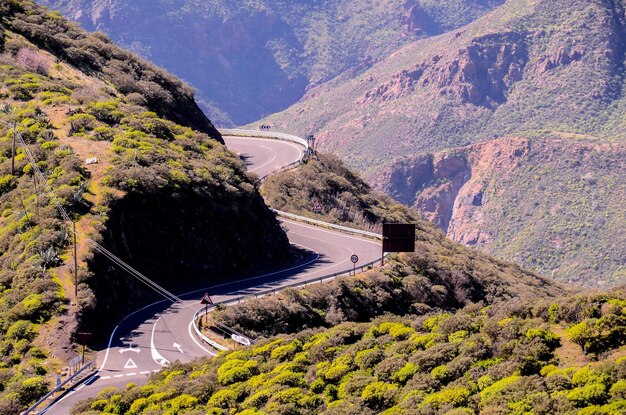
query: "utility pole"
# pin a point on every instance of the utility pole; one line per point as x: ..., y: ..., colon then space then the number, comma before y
x: 75, y: 265
x: 13, y: 149
x: 36, y: 197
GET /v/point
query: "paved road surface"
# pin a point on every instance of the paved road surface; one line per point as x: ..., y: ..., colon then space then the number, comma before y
x: 263, y: 156
x: 149, y: 339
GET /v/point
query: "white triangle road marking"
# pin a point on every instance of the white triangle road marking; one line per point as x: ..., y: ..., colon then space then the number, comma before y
x: 130, y: 364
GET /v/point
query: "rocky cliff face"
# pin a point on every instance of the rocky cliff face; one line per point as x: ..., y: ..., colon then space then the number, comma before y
x: 430, y: 184
x: 542, y: 71
x: 489, y: 194
x: 481, y: 74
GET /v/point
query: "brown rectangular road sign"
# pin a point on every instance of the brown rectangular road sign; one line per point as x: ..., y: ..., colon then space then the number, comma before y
x: 398, y: 237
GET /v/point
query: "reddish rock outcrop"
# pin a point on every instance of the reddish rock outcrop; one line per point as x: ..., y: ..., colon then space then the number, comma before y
x: 482, y: 73
x: 448, y: 187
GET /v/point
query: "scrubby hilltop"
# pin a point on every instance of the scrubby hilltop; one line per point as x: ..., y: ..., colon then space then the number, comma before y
x: 539, y: 84
x: 146, y: 84
x: 159, y: 190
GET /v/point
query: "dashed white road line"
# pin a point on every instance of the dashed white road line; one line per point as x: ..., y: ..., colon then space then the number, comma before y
x: 126, y: 374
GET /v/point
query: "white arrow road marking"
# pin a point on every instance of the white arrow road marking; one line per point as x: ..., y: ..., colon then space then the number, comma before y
x: 177, y: 346
x: 130, y: 364
x: 130, y: 348
x: 156, y: 356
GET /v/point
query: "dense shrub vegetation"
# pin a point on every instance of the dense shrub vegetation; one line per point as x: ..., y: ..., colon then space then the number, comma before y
x: 95, y: 53
x: 345, y: 198
x: 162, y: 177
x: 32, y: 241
x: 488, y: 360
x: 432, y: 278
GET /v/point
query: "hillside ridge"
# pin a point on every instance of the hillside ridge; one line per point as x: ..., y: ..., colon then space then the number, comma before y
x: 545, y: 71
x: 127, y: 176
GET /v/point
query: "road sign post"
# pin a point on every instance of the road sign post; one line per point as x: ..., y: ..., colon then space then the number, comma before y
x: 83, y: 339
x: 311, y: 142
x: 206, y: 300
x: 354, y: 258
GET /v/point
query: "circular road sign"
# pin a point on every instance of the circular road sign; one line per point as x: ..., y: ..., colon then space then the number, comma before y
x: 354, y: 259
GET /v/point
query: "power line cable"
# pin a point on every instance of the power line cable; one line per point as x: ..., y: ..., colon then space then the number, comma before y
x: 109, y: 255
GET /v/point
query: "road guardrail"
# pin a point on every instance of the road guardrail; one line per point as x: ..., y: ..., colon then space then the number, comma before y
x: 56, y: 389
x: 237, y: 132
x: 299, y: 284
x: 327, y: 225
x: 202, y: 336
x: 291, y: 216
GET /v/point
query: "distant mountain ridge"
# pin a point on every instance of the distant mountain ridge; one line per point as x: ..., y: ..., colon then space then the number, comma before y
x: 549, y: 72
x: 250, y: 59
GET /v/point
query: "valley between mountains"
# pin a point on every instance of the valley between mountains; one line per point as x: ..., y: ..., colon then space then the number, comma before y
x: 496, y: 127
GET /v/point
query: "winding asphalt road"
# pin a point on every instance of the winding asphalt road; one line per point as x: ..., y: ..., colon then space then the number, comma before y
x: 150, y: 338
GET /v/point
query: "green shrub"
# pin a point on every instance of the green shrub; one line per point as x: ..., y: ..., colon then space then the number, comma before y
x: 32, y: 389
x: 380, y: 395
x: 286, y: 351
x: 497, y: 388
x: 233, y: 371
x: 405, y: 374
x: 106, y: 112
x: 81, y: 123
x: 102, y: 133
x: 21, y: 330
x: 618, y: 390
x: 456, y: 396
x: 224, y: 399
x: 7, y: 183
x: 590, y: 394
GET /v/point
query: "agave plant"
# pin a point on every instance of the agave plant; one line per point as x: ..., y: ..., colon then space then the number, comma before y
x: 77, y: 197
x: 49, y: 257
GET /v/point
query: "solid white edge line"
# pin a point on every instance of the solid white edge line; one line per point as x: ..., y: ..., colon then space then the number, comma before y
x: 156, y: 356
x: 269, y: 140
x: 267, y: 163
x: 196, y: 341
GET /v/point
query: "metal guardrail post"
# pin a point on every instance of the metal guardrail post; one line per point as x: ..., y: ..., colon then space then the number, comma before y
x: 56, y: 389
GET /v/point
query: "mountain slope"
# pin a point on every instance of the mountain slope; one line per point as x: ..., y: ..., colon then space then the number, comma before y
x: 550, y: 204
x: 439, y: 274
x: 156, y: 189
x: 529, y: 358
x: 548, y: 71
x: 250, y: 59
x: 150, y: 85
